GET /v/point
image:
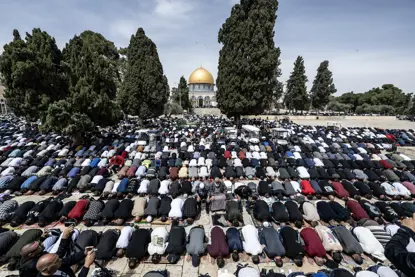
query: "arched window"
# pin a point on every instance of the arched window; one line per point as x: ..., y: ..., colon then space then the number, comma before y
x: 207, y: 101
x: 200, y: 102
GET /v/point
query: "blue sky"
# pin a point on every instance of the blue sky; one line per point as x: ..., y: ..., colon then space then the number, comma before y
x: 368, y: 43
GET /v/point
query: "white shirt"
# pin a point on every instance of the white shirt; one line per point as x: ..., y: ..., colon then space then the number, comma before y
x: 86, y: 162
x: 402, y: 190
x: 103, y: 162
x: 124, y: 237
x: 15, y: 162
x: 237, y: 162
x: 176, y: 208
x: 96, y: 179
x: 250, y: 241
x: 369, y: 243
x: 114, y: 188
x: 297, y: 155
x: 164, y: 187
x: 7, y: 171
x: 158, y: 242
x: 104, y: 154
x: 63, y: 152
x: 405, y: 157
x: 303, y: 173
x: 389, y: 189
x: 201, y: 161
x: 393, y: 228
x: 193, y: 163
x: 318, y: 162
x: 143, y: 186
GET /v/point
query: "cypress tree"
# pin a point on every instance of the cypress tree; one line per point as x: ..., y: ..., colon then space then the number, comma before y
x: 32, y: 74
x: 323, y: 86
x: 248, y: 59
x: 144, y: 90
x: 296, y: 97
x: 92, y: 67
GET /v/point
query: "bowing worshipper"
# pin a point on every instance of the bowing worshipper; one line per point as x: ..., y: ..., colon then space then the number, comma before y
x: 137, y: 249
x: 77, y: 212
x: 309, y: 211
x: 391, y: 191
x: 388, y: 213
x: 264, y: 188
x: 271, y: 243
x: 33, y: 215
x: 67, y: 207
x: 278, y: 189
x: 138, y: 211
x: 86, y: 238
x: 152, y: 208
x: 50, y: 213
x: 31, y: 237
x: 123, y: 240
x: 350, y: 188
x: 143, y: 188
x: 371, y: 209
x: 164, y: 187
x: 177, y: 242
x: 342, y: 213
x: 106, y: 246
x: 175, y: 189
x: 378, y: 190
x: 234, y: 240
x: 7, y: 209
x: 313, y: 246
x: 196, y: 244
x: 307, y: 189
x: 218, y: 247
x: 7, y: 240
x: 280, y: 213
x: 176, y: 209
x: 164, y: 207
x: 326, y: 188
x: 261, y: 211
x: 377, y: 230
x: 92, y: 214
x: 292, y: 244
x: 107, y: 213
x: 250, y: 242
x: 350, y: 244
x: 326, y: 213
x: 356, y: 210
x: 330, y: 243
x: 295, y: 215
x: 341, y: 192
x: 234, y: 212
x: 364, y: 189
x: 369, y: 243
x: 123, y: 212
x: 158, y: 244
x: 396, y: 206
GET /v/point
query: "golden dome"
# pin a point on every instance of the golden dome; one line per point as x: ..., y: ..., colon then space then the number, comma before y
x: 201, y: 76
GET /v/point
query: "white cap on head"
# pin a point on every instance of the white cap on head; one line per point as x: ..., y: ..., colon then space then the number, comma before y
x: 266, y: 224
x: 149, y: 218
x: 201, y: 185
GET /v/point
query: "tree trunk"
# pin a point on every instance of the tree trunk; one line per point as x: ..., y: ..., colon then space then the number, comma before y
x: 237, y: 120
x: 77, y: 139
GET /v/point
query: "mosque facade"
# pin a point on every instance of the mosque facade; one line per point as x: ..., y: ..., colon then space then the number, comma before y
x: 202, y: 89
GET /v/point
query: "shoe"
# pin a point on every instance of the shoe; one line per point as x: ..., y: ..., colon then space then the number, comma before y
x: 263, y: 272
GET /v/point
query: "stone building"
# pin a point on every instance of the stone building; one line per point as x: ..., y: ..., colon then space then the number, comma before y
x: 202, y: 89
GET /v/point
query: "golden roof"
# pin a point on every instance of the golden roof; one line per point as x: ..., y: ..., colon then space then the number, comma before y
x: 201, y: 76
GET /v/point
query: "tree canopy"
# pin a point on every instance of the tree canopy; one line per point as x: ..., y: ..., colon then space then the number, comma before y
x: 32, y: 74
x: 296, y: 97
x: 323, y: 86
x: 248, y: 59
x: 144, y: 90
x: 92, y: 68
x: 181, y: 94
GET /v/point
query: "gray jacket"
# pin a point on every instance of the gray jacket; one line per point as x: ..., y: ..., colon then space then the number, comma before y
x: 196, y: 241
x: 348, y: 241
x: 269, y: 237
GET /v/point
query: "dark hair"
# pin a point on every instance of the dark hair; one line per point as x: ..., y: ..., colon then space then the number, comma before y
x: 190, y: 221
x: 255, y: 259
x: 314, y: 223
x: 279, y: 262
x: 298, y: 261
x: 358, y: 259
x: 163, y: 218
x: 235, y: 223
x: 357, y: 197
x: 380, y: 221
x: 220, y: 262
x: 337, y: 257
x: 318, y: 196
x: 175, y: 222
x: 156, y: 259
x: 309, y: 197
x: 368, y: 196
x: 298, y: 224
x: 235, y: 256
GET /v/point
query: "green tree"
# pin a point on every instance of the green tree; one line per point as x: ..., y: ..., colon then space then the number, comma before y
x: 336, y: 106
x: 181, y: 94
x: 92, y: 67
x: 296, y: 97
x: 32, y: 74
x: 145, y: 89
x: 323, y: 86
x: 279, y: 86
x: 248, y: 59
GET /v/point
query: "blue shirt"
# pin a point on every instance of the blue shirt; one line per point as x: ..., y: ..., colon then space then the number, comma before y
x: 28, y: 181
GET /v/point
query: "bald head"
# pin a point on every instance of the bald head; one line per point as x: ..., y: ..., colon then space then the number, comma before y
x: 48, y: 264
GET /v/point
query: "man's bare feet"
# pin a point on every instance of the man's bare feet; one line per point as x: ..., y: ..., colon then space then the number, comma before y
x: 188, y: 258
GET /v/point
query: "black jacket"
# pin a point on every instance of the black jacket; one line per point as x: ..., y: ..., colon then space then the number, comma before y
x: 395, y: 251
